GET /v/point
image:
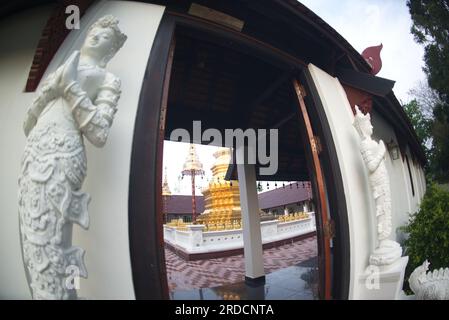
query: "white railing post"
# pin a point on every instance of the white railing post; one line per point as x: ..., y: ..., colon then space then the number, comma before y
x: 196, y: 235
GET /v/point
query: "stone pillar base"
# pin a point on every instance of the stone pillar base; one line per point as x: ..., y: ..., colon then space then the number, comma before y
x: 384, y: 282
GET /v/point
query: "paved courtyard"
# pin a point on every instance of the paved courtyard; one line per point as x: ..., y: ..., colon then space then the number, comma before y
x: 187, y: 275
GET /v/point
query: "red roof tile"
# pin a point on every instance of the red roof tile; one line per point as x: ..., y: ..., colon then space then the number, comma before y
x: 180, y: 204
x: 283, y: 196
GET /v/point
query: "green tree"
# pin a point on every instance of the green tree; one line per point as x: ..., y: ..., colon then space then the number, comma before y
x: 440, y: 146
x: 421, y: 124
x: 431, y: 29
x: 428, y: 231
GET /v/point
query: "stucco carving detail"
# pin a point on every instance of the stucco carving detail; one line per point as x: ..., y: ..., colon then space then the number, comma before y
x: 430, y: 285
x: 373, y: 154
x: 78, y: 100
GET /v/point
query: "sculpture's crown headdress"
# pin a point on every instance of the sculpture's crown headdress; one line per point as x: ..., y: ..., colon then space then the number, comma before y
x: 360, y: 119
x: 111, y: 22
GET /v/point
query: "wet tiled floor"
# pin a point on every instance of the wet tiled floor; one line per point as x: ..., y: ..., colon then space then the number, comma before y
x: 290, y: 274
x: 291, y: 283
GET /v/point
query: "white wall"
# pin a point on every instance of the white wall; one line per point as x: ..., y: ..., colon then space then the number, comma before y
x: 16, y: 55
x: 293, y: 206
x: 419, y: 182
x: 422, y: 180
x: 107, y: 242
x: 359, y: 202
x: 403, y: 202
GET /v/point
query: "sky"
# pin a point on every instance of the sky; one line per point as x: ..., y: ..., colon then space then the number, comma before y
x: 363, y: 23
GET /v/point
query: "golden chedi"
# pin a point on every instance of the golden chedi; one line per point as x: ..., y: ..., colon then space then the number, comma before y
x: 221, y: 197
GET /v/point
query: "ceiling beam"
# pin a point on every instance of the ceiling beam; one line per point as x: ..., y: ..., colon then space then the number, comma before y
x: 265, y: 94
x: 279, y: 123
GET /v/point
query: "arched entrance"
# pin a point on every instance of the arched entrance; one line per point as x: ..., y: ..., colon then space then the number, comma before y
x: 145, y: 200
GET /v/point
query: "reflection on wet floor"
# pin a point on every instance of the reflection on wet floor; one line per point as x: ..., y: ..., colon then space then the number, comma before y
x: 218, y: 272
x: 298, y: 282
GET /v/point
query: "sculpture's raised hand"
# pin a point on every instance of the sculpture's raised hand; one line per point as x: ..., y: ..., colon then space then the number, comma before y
x: 382, y: 147
x: 29, y: 123
x: 70, y: 71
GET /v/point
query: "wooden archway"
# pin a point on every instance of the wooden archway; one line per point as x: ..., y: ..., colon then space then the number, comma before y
x: 145, y: 199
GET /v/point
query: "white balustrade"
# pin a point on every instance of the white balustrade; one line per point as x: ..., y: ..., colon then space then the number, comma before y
x: 192, y: 239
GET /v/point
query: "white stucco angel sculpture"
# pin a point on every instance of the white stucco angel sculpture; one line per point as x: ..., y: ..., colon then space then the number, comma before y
x: 430, y: 285
x: 78, y: 100
x: 373, y: 154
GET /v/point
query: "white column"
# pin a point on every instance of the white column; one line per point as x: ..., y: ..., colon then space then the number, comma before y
x: 252, y: 238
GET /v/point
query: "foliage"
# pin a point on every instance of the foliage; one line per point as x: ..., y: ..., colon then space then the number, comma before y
x: 421, y: 124
x: 440, y: 132
x: 428, y: 231
x: 426, y: 97
x: 431, y: 29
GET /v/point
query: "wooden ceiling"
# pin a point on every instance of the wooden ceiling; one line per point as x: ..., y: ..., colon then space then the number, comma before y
x: 228, y: 89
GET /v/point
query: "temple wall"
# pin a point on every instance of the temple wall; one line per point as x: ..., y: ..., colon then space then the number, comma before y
x: 16, y: 56
x: 106, y: 242
x: 419, y: 180
x: 361, y: 217
x: 403, y: 201
x: 355, y: 178
x: 293, y: 207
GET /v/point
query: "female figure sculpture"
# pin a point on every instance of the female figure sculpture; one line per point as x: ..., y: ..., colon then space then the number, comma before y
x: 373, y: 155
x: 78, y: 100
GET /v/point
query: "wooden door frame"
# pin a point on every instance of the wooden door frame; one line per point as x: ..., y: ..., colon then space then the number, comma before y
x: 312, y: 149
x: 145, y: 198
x: 145, y: 182
x: 341, y: 267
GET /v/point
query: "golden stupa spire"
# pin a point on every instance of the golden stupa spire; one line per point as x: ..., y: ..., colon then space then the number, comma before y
x: 165, y: 187
x: 192, y: 163
x: 221, y: 164
x: 221, y: 197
